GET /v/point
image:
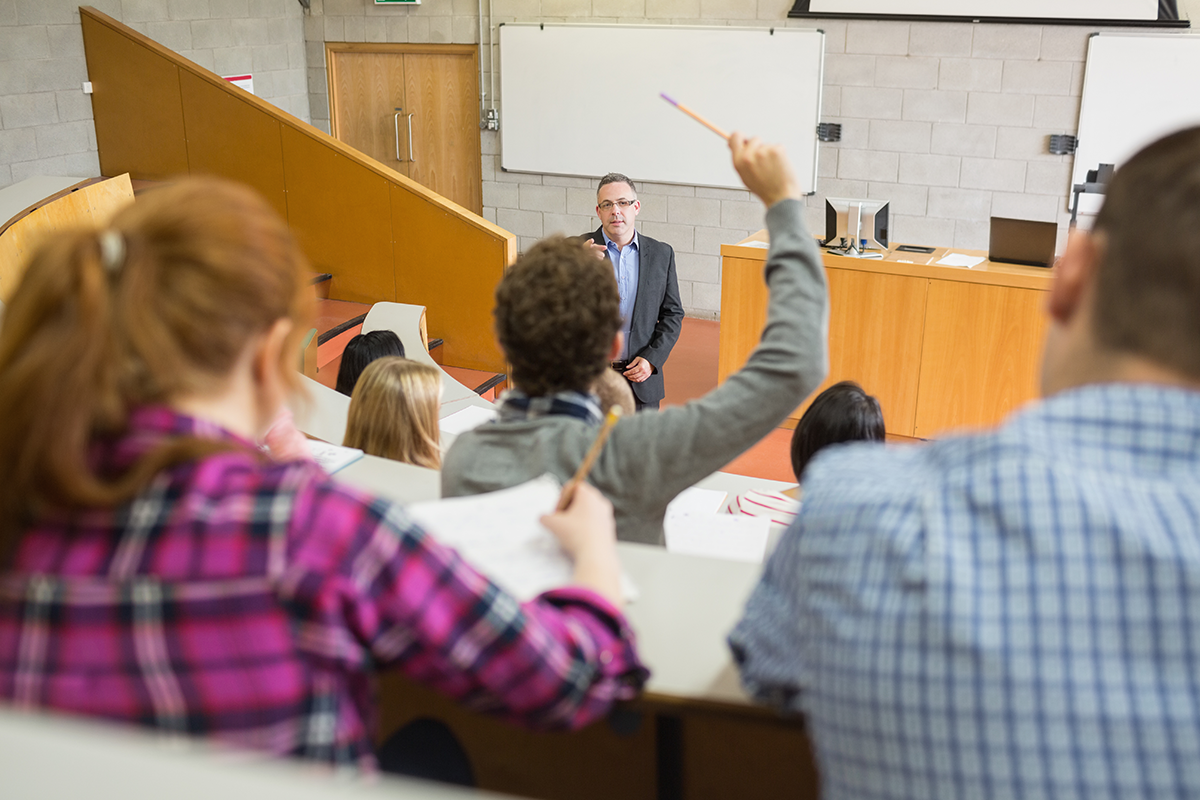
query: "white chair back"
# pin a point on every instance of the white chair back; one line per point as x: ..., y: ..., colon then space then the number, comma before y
x: 324, y: 415
x: 405, y: 321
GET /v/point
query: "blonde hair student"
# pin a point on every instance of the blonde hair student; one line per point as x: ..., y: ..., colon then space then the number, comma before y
x: 157, y: 568
x: 394, y: 412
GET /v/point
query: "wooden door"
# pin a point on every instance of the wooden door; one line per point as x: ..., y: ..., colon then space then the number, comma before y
x: 441, y: 98
x: 367, y: 105
x: 414, y: 108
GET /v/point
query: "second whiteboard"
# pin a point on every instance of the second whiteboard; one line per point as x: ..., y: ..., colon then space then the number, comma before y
x: 584, y: 99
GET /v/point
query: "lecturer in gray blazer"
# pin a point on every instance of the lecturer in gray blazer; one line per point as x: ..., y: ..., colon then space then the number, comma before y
x: 657, y: 313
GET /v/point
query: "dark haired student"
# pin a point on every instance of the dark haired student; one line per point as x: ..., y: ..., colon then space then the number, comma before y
x: 360, y: 351
x: 559, y: 322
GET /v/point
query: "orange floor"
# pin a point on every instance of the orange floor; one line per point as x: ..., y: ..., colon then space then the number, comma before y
x: 691, y: 372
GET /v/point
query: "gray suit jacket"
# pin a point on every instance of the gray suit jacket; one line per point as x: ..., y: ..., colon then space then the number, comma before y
x: 657, y: 312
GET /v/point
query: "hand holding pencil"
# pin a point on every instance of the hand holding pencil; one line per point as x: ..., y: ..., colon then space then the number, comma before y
x: 588, y: 534
x: 583, y: 523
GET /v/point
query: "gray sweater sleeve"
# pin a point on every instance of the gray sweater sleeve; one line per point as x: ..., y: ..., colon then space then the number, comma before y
x: 666, y: 452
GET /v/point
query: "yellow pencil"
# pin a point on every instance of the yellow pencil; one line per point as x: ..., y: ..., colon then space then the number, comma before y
x: 581, y: 474
x: 696, y: 117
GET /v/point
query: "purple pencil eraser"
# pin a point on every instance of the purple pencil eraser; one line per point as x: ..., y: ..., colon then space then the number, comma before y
x: 663, y: 95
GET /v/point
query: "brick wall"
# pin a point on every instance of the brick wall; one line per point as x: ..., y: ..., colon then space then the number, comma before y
x: 947, y: 121
x: 46, y: 119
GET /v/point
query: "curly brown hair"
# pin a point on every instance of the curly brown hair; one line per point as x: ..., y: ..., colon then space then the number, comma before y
x: 557, y: 311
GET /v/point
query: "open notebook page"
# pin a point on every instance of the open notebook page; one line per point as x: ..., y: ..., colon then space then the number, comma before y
x: 500, y: 535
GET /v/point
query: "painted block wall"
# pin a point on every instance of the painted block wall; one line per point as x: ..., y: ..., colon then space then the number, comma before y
x: 947, y: 121
x: 46, y: 119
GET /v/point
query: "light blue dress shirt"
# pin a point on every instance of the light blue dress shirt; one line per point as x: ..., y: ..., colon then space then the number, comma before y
x: 1010, y: 615
x: 627, y: 267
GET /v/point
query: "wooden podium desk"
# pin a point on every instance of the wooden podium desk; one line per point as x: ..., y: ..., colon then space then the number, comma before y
x: 941, y: 347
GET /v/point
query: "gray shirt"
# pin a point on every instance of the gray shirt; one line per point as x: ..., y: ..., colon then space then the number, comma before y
x: 653, y: 456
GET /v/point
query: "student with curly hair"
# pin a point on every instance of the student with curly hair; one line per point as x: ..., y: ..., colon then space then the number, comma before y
x: 558, y: 319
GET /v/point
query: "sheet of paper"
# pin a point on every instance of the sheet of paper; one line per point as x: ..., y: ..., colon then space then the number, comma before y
x: 729, y: 536
x: 467, y: 419
x: 960, y: 260
x: 697, y: 501
x: 500, y: 535
x: 332, y: 457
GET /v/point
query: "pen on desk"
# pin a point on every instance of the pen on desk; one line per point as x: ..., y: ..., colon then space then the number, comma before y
x: 696, y: 117
x: 581, y: 474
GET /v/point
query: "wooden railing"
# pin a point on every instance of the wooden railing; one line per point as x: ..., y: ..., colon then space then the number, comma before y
x: 381, y: 236
x: 91, y: 202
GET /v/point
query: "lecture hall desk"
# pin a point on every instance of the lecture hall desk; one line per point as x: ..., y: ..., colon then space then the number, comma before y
x: 941, y: 347
x: 694, y: 734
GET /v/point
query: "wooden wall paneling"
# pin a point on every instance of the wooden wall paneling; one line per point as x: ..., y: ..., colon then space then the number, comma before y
x: 597, y: 763
x: 981, y: 354
x: 365, y: 89
x: 452, y: 269
x: 727, y: 755
x: 229, y: 137
x: 743, y: 312
x: 441, y: 92
x: 92, y: 205
x: 136, y: 102
x: 875, y: 329
x: 340, y: 212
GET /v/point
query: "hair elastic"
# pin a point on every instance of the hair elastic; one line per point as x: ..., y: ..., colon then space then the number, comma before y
x: 112, y: 250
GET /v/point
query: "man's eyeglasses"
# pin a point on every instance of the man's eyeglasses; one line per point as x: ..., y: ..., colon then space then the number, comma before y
x: 607, y: 205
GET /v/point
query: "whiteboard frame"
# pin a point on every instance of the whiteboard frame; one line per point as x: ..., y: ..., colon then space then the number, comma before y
x: 674, y: 120
x: 801, y: 10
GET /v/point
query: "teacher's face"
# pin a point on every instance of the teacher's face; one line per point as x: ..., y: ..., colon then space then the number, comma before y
x: 617, y: 220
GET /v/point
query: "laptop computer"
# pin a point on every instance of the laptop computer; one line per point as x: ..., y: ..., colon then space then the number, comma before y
x: 1023, y: 241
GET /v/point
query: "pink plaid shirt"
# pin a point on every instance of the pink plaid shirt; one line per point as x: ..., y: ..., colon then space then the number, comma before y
x: 252, y: 601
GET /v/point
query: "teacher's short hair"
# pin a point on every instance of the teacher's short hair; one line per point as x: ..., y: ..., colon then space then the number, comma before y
x: 615, y: 177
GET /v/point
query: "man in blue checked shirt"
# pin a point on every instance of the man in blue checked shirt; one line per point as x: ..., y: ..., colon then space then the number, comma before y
x: 1017, y: 614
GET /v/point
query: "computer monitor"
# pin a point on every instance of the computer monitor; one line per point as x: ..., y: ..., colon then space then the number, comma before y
x: 853, y: 227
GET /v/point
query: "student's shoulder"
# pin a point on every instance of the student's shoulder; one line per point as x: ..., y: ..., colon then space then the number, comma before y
x: 319, y: 503
x: 864, y: 473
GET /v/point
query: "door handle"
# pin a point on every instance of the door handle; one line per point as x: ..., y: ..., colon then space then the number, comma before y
x: 410, y: 154
x: 396, y: 124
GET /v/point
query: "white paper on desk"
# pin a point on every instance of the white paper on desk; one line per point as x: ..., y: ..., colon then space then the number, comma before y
x: 500, y: 535
x: 696, y: 501
x: 763, y: 245
x: 332, y: 457
x: 466, y: 419
x: 960, y: 260
x: 729, y: 536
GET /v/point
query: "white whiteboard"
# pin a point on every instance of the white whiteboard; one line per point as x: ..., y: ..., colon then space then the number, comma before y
x: 1022, y: 9
x: 1137, y: 88
x: 584, y: 99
